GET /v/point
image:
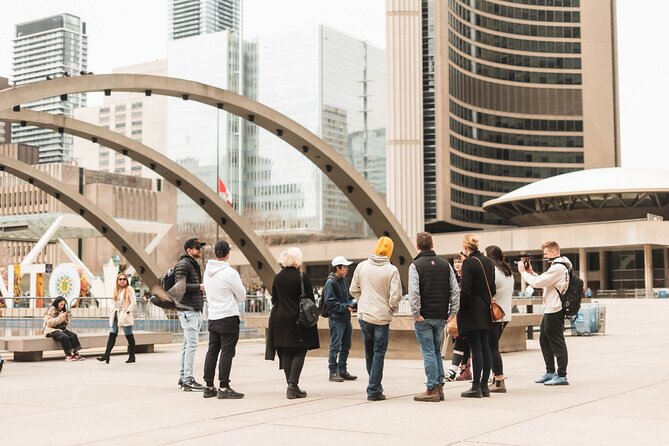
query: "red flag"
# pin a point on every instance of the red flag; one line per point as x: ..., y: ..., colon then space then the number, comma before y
x: 224, y: 190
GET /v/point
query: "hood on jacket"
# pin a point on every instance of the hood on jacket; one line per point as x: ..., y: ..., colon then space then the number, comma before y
x: 378, y: 260
x: 214, y: 267
x: 563, y: 259
x: 384, y: 247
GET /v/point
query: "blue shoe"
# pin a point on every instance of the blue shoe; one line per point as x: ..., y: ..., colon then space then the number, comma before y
x: 545, y: 377
x: 557, y: 381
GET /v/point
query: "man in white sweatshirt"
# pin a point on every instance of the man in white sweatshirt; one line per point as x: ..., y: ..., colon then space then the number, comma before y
x: 224, y: 290
x: 555, y: 281
x: 377, y: 287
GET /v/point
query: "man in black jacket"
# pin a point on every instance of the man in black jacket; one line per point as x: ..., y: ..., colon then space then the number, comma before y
x: 434, y: 296
x: 188, y: 269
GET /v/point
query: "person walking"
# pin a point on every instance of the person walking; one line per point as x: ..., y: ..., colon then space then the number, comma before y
x: 56, y: 321
x: 187, y: 269
x: 460, y: 368
x: 121, y: 316
x: 504, y: 287
x: 434, y: 296
x: 478, y: 284
x: 377, y: 287
x: 551, y: 338
x: 286, y: 336
x: 340, y: 306
x: 225, y: 291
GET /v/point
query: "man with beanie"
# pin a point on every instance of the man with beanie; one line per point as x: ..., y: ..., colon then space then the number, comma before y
x: 434, y: 296
x: 225, y: 291
x: 340, y: 305
x: 190, y: 314
x: 377, y: 287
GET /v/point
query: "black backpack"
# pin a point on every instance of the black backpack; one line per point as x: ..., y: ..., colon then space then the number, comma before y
x: 572, y: 297
x: 308, y: 311
x: 167, y: 281
x: 323, y: 309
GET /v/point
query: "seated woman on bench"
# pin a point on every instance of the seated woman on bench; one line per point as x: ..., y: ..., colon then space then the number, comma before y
x: 55, y: 326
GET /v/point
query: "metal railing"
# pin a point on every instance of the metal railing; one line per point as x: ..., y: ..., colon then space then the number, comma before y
x: 89, y: 315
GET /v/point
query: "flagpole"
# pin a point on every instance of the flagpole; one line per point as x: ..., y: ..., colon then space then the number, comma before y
x: 218, y: 159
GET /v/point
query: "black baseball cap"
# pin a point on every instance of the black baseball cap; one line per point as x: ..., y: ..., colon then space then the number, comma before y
x: 193, y: 243
x: 222, y: 248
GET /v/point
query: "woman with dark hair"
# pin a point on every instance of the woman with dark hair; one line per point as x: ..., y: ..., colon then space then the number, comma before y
x: 504, y: 286
x: 121, y: 316
x: 460, y: 368
x: 286, y: 337
x: 56, y: 320
x: 478, y: 285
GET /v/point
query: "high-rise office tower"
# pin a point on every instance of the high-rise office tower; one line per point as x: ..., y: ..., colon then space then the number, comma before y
x: 334, y: 85
x: 489, y: 95
x: 196, y: 17
x: 47, y: 48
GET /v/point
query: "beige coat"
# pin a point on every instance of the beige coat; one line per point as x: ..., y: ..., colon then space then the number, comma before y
x: 377, y: 287
x: 125, y: 310
x: 54, y: 318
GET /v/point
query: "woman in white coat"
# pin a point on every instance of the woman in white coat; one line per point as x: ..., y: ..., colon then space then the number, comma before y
x: 121, y: 316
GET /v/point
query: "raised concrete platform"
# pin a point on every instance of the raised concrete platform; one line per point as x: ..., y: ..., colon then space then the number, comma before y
x: 607, y: 403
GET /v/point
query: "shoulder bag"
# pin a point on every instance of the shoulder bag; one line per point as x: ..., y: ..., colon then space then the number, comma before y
x: 496, y: 312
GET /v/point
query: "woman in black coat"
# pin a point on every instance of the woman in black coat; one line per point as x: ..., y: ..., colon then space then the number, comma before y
x: 474, y: 315
x: 285, y: 337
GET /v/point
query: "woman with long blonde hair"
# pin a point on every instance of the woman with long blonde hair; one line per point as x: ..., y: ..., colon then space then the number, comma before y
x: 121, y: 316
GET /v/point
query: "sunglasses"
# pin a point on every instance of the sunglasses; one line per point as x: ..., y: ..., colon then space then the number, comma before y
x: 123, y: 278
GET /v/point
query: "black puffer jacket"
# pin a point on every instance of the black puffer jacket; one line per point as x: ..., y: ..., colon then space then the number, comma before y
x: 187, y: 267
x: 474, y: 313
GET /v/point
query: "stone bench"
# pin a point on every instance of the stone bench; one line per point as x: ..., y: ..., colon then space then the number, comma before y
x: 30, y: 348
x: 402, y: 343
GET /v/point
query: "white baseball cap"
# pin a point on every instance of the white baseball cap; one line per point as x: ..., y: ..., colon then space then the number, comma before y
x: 340, y: 260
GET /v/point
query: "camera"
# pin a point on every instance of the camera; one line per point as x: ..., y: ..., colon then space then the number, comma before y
x: 526, y: 259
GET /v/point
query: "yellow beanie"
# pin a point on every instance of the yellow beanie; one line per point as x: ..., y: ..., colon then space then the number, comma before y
x: 384, y: 247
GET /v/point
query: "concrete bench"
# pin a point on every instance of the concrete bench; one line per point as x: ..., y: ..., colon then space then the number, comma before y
x: 402, y: 343
x: 30, y: 348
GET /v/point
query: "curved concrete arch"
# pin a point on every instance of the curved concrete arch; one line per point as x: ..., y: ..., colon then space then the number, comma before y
x: 241, y: 232
x: 366, y: 200
x: 99, y: 219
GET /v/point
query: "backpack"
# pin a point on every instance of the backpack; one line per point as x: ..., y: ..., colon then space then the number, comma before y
x: 308, y: 311
x: 323, y: 309
x: 572, y: 297
x: 167, y: 281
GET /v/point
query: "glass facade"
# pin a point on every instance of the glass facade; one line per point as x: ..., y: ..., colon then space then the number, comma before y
x: 43, y: 49
x: 333, y: 85
x: 189, y: 18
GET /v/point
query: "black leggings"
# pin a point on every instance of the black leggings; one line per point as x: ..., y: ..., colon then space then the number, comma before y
x: 68, y: 340
x: 461, y: 345
x: 481, y: 361
x: 494, y: 335
x: 292, y: 361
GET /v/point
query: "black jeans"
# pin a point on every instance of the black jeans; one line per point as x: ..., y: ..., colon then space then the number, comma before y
x: 292, y: 361
x: 553, y: 345
x: 223, y: 337
x: 494, y: 335
x: 460, y: 351
x: 481, y: 360
x: 68, y: 340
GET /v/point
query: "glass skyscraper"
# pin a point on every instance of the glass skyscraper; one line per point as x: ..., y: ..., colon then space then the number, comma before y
x: 51, y: 47
x: 196, y: 17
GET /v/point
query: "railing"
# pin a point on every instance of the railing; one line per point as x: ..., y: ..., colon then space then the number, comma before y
x: 92, y: 315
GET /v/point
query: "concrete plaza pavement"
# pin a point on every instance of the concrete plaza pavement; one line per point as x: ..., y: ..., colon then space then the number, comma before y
x: 619, y: 394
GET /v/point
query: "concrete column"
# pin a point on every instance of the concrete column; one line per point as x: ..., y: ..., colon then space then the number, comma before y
x: 583, y: 266
x: 666, y: 267
x: 648, y: 269
x: 603, y: 271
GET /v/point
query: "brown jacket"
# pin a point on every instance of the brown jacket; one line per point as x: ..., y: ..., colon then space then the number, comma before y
x: 54, y: 318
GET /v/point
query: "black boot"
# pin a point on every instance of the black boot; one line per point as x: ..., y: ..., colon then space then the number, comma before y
x: 294, y: 391
x: 111, y: 340
x: 485, y: 390
x: 131, y: 348
x: 474, y: 392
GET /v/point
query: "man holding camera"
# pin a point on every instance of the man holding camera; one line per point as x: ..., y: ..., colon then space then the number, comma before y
x: 554, y: 281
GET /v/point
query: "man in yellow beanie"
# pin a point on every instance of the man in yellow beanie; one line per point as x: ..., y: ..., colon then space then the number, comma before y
x: 377, y: 287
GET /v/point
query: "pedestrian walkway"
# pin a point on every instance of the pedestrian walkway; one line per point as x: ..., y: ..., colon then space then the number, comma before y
x: 619, y: 394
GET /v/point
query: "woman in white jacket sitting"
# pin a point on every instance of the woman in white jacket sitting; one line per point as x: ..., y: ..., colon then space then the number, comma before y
x: 121, y: 316
x: 504, y: 286
x: 224, y: 290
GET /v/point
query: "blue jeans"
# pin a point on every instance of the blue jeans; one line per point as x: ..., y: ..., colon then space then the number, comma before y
x: 340, y: 344
x: 430, y: 335
x: 190, y: 322
x: 375, y: 338
x: 126, y: 330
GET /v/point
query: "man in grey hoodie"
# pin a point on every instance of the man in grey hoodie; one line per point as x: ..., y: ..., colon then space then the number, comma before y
x: 377, y: 287
x: 551, y: 338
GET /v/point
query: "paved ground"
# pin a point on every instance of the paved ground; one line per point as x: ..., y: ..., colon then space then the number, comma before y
x: 619, y: 394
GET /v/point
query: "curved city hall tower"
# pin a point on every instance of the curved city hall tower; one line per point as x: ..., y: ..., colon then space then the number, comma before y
x: 486, y: 96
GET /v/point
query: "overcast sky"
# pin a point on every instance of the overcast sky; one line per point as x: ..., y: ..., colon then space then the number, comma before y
x: 124, y: 32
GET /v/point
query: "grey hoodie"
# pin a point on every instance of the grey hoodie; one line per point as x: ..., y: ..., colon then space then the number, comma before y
x: 554, y: 279
x: 377, y: 287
